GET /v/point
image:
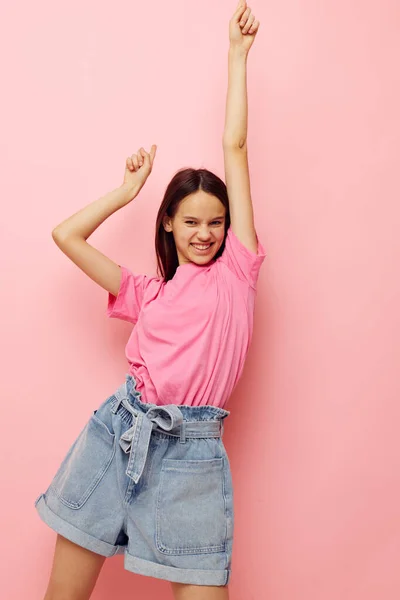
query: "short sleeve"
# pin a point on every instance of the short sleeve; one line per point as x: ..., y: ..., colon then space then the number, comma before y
x: 244, y: 263
x: 127, y: 304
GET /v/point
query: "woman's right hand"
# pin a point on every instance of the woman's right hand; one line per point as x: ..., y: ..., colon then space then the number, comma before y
x: 137, y: 169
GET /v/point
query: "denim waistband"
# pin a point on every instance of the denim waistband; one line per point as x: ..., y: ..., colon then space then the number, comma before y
x: 172, y: 419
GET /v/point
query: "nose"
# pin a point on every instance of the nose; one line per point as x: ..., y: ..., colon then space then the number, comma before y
x: 203, y: 239
x: 203, y: 235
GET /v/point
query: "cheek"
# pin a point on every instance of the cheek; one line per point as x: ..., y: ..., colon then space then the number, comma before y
x: 184, y: 238
x: 221, y: 237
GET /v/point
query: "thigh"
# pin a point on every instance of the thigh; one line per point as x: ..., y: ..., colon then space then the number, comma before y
x: 187, y: 591
x: 74, y: 572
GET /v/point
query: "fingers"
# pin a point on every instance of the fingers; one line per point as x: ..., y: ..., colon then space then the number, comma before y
x: 254, y: 27
x: 134, y: 162
x: 241, y: 7
x: 245, y: 16
x: 147, y: 156
x: 248, y: 22
x: 153, y: 152
x: 129, y: 164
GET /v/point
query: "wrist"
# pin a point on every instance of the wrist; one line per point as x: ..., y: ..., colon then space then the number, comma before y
x: 128, y: 192
x: 237, y: 52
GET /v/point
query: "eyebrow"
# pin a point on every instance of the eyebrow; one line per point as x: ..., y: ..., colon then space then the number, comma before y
x: 195, y: 218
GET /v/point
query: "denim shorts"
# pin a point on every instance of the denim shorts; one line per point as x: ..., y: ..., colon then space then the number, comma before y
x: 150, y: 482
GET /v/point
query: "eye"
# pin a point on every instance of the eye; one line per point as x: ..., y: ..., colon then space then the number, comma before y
x: 190, y: 222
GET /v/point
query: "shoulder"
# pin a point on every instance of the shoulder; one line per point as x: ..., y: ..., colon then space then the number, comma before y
x: 240, y: 260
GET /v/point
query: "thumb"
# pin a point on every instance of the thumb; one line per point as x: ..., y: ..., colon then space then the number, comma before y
x: 241, y: 7
x: 153, y: 151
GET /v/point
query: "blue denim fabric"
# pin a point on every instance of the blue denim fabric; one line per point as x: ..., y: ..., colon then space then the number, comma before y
x: 150, y: 482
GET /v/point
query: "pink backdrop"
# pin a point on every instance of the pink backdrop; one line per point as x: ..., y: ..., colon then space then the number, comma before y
x: 313, y: 434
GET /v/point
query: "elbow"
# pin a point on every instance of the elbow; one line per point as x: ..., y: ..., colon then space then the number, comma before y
x: 234, y: 143
x: 59, y: 236
x: 57, y: 239
x: 56, y: 234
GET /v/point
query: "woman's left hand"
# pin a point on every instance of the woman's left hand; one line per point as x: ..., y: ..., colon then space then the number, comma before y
x: 243, y: 27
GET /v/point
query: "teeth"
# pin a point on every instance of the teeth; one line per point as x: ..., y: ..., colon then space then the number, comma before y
x: 201, y: 247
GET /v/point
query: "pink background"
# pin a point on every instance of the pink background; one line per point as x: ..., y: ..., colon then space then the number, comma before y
x: 313, y: 434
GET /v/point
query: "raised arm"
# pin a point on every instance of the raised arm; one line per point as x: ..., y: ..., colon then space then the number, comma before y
x: 71, y: 235
x: 243, y: 28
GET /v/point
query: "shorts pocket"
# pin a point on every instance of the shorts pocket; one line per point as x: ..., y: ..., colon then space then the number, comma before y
x: 85, y: 464
x: 190, y: 512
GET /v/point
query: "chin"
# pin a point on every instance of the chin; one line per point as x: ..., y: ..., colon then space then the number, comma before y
x: 203, y: 261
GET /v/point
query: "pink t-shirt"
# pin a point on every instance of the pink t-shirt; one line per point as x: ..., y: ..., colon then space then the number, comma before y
x: 193, y: 332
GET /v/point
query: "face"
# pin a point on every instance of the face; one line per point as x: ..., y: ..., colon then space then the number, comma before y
x: 199, y: 222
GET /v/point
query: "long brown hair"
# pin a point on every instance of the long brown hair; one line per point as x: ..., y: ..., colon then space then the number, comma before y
x: 185, y: 181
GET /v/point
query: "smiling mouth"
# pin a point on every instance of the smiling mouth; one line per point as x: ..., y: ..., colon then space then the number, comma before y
x: 202, y: 248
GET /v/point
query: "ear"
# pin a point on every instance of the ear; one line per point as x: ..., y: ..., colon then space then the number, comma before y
x: 167, y: 224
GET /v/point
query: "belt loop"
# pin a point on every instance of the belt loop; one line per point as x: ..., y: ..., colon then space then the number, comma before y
x: 221, y: 428
x: 119, y: 395
x: 116, y: 405
x: 182, y: 436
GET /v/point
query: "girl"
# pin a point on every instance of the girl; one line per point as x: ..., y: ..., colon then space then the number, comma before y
x: 149, y: 476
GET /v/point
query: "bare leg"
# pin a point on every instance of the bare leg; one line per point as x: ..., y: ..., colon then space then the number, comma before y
x: 186, y: 591
x: 74, y: 572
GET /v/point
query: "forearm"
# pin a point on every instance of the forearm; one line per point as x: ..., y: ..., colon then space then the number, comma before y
x: 85, y: 221
x: 235, y: 132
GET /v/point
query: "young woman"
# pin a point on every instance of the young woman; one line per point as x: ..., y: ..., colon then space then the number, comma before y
x: 149, y: 476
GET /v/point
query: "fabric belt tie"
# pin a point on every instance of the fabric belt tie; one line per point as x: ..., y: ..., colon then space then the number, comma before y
x: 136, y: 440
